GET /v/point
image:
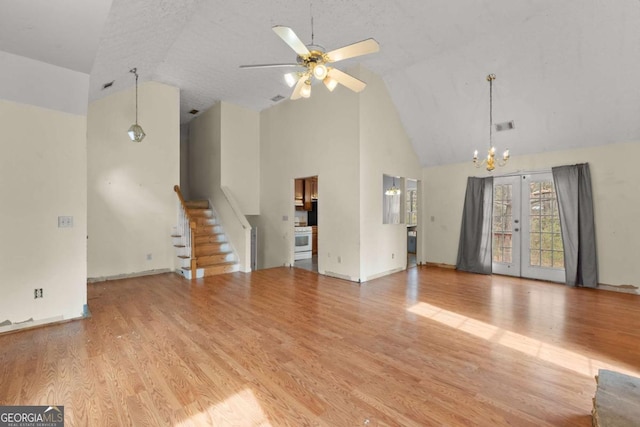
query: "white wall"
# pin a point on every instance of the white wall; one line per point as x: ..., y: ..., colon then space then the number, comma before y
x: 385, y: 148
x: 315, y: 136
x: 32, y: 82
x: 131, y: 203
x: 216, y: 137
x: 184, y: 161
x: 204, y: 153
x: 615, y: 176
x: 240, y: 156
x: 42, y: 176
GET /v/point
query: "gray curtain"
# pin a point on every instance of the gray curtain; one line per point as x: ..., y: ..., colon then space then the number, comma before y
x: 474, y: 248
x: 575, y: 204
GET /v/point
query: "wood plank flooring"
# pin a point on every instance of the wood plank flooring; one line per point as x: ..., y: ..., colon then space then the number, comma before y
x: 286, y: 347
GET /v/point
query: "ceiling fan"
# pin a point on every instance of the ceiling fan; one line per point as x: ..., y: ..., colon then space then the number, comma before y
x: 313, y: 60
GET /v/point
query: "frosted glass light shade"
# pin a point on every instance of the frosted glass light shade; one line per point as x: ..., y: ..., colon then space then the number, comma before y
x: 320, y: 71
x: 305, y: 92
x: 136, y: 133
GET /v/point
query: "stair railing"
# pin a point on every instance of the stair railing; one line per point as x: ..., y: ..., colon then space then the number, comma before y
x: 186, y: 229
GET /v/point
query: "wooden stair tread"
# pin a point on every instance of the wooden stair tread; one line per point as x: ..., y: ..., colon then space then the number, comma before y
x: 225, y: 264
x: 195, y: 204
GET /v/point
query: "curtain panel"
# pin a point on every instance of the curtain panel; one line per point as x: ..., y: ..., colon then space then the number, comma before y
x: 577, y: 223
x: 474, y: 248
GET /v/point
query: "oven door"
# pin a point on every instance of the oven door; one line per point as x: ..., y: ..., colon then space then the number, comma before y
x: 303, y: 242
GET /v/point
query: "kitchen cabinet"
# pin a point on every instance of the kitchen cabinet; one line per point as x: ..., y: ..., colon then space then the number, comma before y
x: 306, y: 190
x: 314, y: 188
x: 299, y: 193
x: 306, y: 200
x: 314, y: 240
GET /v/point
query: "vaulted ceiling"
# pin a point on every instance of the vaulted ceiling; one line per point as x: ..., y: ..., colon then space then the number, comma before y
x: 567, y: 71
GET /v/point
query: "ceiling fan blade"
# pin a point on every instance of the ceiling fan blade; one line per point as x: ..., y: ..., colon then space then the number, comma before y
x: 297, y: 91
x: 291, y: 39
x: 346, y: 80
x: 269, y: 65
x: 357, y: 49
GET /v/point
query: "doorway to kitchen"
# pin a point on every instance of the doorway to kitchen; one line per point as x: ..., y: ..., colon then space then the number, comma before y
x: 411, y: 217
x: 306, y: 223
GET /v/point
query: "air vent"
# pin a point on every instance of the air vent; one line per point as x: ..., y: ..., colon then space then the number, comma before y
x: 504, y: 126
x: 277, y: 98
x: 194, y: 111
x: 108, y: 85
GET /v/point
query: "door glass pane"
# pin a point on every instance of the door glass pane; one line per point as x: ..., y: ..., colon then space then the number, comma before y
x: 544, y: 234
x: 502, y: 223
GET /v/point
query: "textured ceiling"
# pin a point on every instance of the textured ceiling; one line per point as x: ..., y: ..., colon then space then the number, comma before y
x: 567, y: 71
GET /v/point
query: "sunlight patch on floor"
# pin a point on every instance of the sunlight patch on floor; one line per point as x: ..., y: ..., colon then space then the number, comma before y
x: 241, y: 409
x: 549, y: 353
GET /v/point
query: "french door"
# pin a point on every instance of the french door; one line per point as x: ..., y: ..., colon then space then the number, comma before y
x: 526, y: 228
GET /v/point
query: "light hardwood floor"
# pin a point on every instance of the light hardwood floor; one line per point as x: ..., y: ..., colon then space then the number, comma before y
x: 282, y: 346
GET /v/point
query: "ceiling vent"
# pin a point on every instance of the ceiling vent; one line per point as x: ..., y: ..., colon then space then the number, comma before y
x: 108, y: 85
x: 277, y: 98
x: 505, y: 126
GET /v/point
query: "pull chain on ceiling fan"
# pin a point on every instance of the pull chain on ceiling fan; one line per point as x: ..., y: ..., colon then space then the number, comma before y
x: 314, y: 61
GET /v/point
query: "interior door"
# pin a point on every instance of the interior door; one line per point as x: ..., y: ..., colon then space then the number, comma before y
x: 527, y: 240
x: 506, y: 225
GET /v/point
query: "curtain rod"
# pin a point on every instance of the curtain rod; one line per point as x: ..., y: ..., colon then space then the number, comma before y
x: 518, y: 173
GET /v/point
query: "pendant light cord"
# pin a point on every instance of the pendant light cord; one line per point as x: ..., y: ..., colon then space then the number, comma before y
x: 491, y: 78
x: 135, y: 72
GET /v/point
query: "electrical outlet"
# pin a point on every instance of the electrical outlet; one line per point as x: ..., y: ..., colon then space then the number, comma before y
x: 149, y: 257
x: 37, y: 293
x: 393, y: 256
x: 339, y: 260
x: 65, y: 221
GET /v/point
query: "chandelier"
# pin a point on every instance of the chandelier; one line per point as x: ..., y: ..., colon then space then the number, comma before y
x: 393, y: 190
x: 135, y: 131
x: 490, y: 161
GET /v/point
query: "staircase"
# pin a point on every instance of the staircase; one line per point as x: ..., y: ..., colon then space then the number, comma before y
x: 202, y: 246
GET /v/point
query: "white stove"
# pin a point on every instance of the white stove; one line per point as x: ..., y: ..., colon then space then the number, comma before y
x: 303, y: 243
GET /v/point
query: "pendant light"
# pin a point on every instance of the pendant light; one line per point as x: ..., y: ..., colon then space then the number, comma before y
x: 490, y: 161
x: 135, y: 131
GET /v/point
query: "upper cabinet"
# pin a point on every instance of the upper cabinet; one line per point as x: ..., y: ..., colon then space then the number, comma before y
x: 299, y: 193
x: 306, y: 190
x: 314, y: 187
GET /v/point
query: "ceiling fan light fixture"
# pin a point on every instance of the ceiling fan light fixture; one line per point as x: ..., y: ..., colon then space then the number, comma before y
x: 305, y: 92
x: 330, y: 83
x: 290, y: 79
x: 320, y: 71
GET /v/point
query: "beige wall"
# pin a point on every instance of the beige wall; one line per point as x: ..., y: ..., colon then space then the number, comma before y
x: 240, y: 156
x: 349, y: 140
x: 42, y: 176
x: 385, y: 148
x: 315, y: 136
x: 224, y: 169
x: 615, y: 176
x: 131, y: 203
